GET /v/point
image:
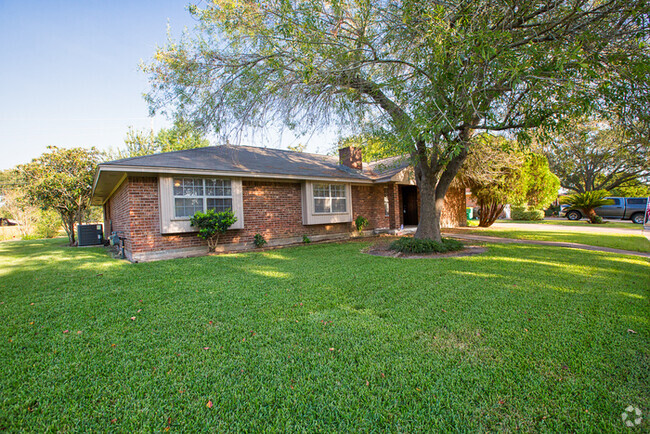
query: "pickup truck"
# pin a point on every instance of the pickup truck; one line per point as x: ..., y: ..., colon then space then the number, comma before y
x: 624, y: 208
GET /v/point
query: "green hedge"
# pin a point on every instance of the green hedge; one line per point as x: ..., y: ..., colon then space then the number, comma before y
x: 523, y: 213
x: 416, y: 245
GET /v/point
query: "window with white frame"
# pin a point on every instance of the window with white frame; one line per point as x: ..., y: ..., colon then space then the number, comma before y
x: 201, y: 194
x: 330, y: 199
x: 386, y: 202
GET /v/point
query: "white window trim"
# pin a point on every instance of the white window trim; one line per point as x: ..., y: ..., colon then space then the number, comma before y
x: 170, y: 224
x: 203, y: 198
x: 311, y: 217
x: 329, y: 187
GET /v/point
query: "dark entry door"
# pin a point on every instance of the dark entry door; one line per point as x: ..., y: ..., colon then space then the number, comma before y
x: 410, y: 205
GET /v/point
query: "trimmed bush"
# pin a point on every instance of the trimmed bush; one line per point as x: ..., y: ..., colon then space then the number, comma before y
x: 259, y: 240
x: 211, y: 224
x: 416, y: 245
x: 523, y: 213
x: 360, y: 222
x: 552, y: 210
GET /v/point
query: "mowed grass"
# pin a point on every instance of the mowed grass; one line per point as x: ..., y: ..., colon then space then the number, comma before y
x: 632, y: 242
x: 564, y: 222
x: 322, y: 337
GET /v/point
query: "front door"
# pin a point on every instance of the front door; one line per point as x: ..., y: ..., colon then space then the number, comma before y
x: 410, y: 205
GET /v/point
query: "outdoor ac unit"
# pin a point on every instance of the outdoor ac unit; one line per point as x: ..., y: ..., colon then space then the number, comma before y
x: 90, y: 235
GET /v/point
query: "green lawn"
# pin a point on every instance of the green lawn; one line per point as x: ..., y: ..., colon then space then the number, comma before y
x: 565, y: 222
x: 322, y: 337
x: 633, y: 242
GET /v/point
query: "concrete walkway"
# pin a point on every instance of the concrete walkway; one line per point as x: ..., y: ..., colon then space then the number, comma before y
x: 484, y: 238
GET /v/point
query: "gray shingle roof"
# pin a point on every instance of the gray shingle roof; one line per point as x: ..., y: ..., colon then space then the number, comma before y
x: 249, y: 159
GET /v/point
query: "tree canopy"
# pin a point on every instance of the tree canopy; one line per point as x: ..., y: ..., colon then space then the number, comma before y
x: 539, y: 185
x: 493, y: 172
x: 181, y: 136
x: 61, y: 179
x: 631, y: 189
x: 597, y: 155
x: 500, y: 171
x: 427, y: 74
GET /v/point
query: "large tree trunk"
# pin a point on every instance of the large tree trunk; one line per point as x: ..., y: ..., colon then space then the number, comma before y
x: 489, y: 213
x: 430, y: 211
x: 68, y: 225
x: 433, y: 187
x: 592, y: 216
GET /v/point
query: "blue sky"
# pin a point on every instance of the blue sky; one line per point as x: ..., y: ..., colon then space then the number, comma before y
x: 69, y: 73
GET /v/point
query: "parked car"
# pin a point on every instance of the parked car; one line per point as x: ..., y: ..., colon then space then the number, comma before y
x: 624, y: 208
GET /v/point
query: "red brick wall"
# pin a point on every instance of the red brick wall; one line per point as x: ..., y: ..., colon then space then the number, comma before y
x: 453, y: 213
x: 368, y: 201
x: 273, y: 209
x: 395, y: 200
x: 117, y: 209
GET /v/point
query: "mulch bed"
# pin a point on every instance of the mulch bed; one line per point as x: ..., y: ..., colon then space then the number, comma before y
x: 381, y: 248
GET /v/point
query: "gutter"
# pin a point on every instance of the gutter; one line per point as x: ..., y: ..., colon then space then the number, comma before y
x: 204, y: 172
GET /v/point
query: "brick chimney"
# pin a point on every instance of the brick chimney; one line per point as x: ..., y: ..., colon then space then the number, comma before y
x: 351, y: 157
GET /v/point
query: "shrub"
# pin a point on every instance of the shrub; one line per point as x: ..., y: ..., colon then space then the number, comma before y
x: 416, y: 245
x: 517, y: 212
x: 360, y: 222
x: 552, y: 210
x: 305, y: 239
x: 259, y: 240
x: 48, y: 224
x: 523, y: 213
x: 211, y: 224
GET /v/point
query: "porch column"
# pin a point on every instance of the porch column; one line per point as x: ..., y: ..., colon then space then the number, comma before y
x: 394, y: 206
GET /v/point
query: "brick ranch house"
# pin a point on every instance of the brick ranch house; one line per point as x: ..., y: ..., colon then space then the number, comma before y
x: 279, y: 194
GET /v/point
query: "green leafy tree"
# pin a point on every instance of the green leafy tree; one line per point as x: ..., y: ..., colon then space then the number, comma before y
x: 372, y: 146
x: 18, y: 207
x: 7, y: 184
x: 62, y: 180
x: 297, y: 148
x: 427, y: 74
x: 633, y: 188
x: 596, y: 155
x: 7, y: 180
x: 499, y: 172
x: 139, y: 143
x: 48, y: 224
x: 540, y: 186
x: 211, y: 224
x: 587, y: 202
x: 493, y: 171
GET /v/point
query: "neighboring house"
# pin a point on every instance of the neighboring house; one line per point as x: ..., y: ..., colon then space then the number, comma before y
x: 281, y: 195
x: 6, y: 222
